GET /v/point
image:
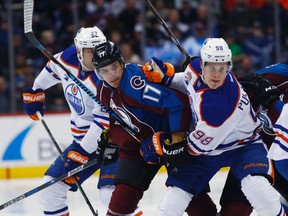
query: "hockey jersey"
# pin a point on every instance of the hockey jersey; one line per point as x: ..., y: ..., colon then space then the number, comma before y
x: 277, y: 74
x: 146, y: 107
x: 80, y: 104
x: 223, y: 117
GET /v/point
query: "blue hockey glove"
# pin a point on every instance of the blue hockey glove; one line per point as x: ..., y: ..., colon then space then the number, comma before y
x: 151, y: 149
x: 34, y: 101
x: 75, y: 157
x: 159, y: 72
x: 106, y: 152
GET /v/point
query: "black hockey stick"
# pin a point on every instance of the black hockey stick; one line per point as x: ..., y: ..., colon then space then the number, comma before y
x: 169, y: 32
x: 63, y: 159
x: 28, y: 13
x: 49, y: 183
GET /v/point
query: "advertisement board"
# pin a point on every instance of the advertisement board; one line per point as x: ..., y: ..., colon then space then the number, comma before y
x: 25, y: 143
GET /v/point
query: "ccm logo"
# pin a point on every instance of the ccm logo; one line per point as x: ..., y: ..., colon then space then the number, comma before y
x: 173, y: 152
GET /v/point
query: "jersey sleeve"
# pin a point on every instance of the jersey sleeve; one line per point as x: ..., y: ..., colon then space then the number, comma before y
x: 48, y: 76
x: 178, y: 82
x: 206, y: 138
x: 279, y: 147
x: 100, y: 122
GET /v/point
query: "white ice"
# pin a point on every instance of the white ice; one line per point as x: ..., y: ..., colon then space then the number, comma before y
x: 31, y: 205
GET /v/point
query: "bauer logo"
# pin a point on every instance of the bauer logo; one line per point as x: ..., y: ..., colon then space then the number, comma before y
x: 75, y: 98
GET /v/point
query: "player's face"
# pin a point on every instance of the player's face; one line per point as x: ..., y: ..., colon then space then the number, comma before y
x: 112, y: 74
x: 87, y: 58
x: 214, y: 74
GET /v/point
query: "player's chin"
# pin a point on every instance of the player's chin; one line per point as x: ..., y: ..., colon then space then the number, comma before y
x: 214, y: 85
x: 115, y: 83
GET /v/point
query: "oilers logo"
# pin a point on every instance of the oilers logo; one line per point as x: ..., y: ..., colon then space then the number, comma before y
x: 75, y: 98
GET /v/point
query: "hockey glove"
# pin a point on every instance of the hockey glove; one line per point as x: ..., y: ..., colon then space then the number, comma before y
x: 151, y: 150
x: 34, y: 101
x: 107, y: 152
x: 260, y: 90
x: 75, y: 157
x: 174, y: 154
x: 159, y: 72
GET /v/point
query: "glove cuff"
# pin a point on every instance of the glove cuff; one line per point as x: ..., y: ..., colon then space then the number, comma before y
x: 169, y: 74
x: 31, y: 96
x: 77, y: 157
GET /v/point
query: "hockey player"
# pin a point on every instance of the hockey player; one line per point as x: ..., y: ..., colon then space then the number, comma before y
x: 279, y: 148
x: 78, y: 60
x: 264, y: 89
x: 278, y: 75
x: 145, y: 107
x: 225, y: 134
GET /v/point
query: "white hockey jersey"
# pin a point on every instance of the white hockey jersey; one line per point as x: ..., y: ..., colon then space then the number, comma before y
x: 279, y: 147
x: 81, y: 105
x: 223, y: 117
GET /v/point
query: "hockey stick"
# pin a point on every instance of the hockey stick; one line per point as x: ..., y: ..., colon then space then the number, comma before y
x: 63, y: 159
x: 49, y: 183
x: 28, y: 12
x: 169, y: 32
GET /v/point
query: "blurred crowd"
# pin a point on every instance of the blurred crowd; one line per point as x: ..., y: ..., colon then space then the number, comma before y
x: 248, y: 26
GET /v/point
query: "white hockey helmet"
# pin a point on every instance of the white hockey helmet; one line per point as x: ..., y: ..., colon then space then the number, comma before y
x: 216, y: 50
x: 88, y: 38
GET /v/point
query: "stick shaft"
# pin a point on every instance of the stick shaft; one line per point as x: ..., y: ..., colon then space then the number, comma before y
x: 169, y: 32
x: 49, y: 183
x: 37, y: 44
x: 63, y: 159
x: 28, y: 18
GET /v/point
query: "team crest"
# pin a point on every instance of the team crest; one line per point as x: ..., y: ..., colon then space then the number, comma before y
x: 75, y: 98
